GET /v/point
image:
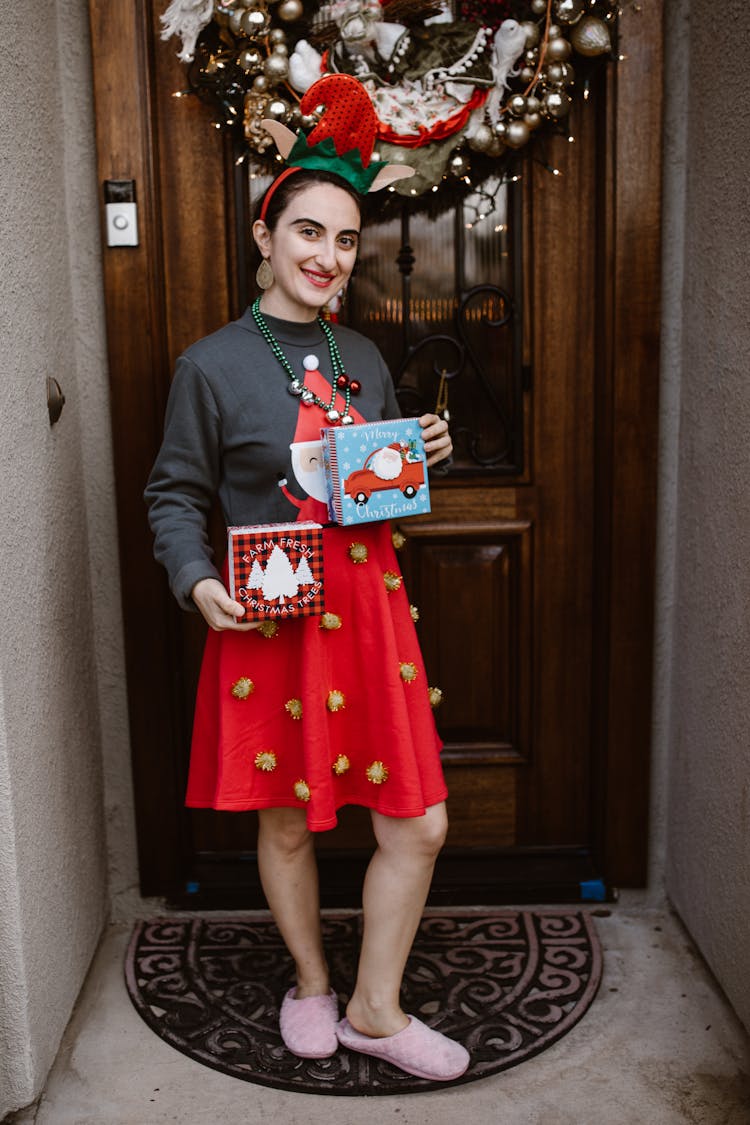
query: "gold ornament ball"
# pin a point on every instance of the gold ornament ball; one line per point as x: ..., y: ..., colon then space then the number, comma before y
x: 527, y: 74
x: 531, y: 57
x: 255, y: 22
x: 591, y: 37
x: 250, y: 59
x: 276, y: 36
x: 553, y: 32
x: 517, y: 105
x: 482, y: 138
x: 531, y: 31
x: 280, y: 49
x: 539, y: 7
x: 560, y: 74
x: 290, y: 10
x: 277, y: 109
x: 496, y: 147
x: 235, y: 21
x: 568, y: 11
x: 260, y: 84
x: 533, y: 120
x: 516, y: 134
x: 276, y: 68
x: 533, y: 105
x: 558, y: 50
x: 556, y: 104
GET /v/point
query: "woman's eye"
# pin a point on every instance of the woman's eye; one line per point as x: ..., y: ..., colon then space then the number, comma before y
x: 347, y: 242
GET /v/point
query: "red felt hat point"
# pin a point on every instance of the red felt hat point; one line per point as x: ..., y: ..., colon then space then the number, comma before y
x: 348, y: 118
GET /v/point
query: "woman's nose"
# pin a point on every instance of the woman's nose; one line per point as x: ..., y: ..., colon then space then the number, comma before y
x: 326, y: 253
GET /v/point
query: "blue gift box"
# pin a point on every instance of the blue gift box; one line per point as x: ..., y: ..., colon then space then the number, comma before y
x: 375, y: 471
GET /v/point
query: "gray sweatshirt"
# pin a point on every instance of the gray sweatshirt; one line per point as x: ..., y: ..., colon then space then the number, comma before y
x: 229, y: 424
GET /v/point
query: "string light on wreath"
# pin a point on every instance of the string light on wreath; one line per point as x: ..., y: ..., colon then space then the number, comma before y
x: 456, y: 99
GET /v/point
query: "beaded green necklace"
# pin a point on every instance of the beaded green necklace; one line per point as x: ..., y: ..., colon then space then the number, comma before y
x: 340, y: 380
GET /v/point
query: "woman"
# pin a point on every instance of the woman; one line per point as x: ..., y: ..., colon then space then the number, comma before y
x: 299, y: 719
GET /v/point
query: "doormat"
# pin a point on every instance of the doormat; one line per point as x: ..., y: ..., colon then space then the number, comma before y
x: 505, y: 983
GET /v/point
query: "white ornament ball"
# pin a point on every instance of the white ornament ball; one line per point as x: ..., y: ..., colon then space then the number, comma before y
x: 290, y: 10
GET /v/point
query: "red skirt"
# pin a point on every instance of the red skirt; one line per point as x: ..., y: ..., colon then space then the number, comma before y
x: 327, y: 711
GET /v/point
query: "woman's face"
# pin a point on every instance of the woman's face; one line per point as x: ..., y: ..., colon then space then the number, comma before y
x: 312, y: 251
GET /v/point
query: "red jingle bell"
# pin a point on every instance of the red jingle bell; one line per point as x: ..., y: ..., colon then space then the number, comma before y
x: 355, y: 386
x: 342, y: 382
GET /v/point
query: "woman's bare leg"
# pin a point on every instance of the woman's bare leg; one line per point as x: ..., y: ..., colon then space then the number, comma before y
x: 395, y: 890
x: 289, y: 875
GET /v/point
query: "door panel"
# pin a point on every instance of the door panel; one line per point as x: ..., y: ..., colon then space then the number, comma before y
x: 534, y: 571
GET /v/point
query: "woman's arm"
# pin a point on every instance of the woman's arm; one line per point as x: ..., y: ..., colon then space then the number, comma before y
x: 184, y: 481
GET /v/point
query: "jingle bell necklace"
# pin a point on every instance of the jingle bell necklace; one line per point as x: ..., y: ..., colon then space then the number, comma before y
x: 340, y: 380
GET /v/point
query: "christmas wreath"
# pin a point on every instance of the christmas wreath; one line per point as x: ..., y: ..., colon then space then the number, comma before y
x: 456, y: 97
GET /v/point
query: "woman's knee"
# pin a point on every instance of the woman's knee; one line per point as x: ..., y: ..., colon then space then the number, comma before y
x: 284, y: 830
x: 425, y: 834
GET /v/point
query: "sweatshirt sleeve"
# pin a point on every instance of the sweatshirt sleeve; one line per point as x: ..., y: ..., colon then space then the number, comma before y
x: 184, y: 482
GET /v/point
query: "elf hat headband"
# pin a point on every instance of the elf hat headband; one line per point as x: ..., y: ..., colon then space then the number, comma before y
x: 341, y: 142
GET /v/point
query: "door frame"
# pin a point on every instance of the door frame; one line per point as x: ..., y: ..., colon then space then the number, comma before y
x: 140, y: 288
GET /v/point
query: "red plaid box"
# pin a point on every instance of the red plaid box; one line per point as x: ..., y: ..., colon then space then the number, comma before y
x: 276, y: 570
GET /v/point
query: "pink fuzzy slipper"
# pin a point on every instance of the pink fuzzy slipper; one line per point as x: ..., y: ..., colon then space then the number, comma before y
x: 417, y: 1049
x: 308, y: 1026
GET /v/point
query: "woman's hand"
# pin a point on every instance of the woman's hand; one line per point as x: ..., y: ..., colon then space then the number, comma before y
x: 217, y: 607
x: 437, y: 440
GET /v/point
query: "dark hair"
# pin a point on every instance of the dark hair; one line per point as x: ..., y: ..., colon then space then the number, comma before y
x: 294, y: 184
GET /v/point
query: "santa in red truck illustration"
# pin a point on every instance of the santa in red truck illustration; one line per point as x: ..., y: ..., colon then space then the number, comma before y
x: 392, y: 466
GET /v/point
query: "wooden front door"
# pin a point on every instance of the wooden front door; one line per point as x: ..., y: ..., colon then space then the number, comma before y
x: 533, y: 574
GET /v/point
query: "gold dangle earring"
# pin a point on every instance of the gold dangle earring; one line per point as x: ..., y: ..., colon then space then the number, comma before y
x: 264, y: 275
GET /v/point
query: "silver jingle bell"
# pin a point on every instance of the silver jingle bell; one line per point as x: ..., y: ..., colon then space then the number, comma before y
x: 295, y: 387
x: 308, y: 398
x: 347, y: 420
x: 332, y: 415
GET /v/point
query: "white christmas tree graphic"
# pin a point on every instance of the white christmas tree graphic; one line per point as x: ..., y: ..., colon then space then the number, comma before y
x: 304, y: 574
x: 255, y: 580
x: 279, y: 581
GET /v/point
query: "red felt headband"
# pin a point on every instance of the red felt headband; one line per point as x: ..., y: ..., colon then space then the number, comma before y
x: 272, y: 188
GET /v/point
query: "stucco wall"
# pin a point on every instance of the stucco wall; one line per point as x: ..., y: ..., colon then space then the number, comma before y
x: 60, y: 643
x: 708, y: 830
